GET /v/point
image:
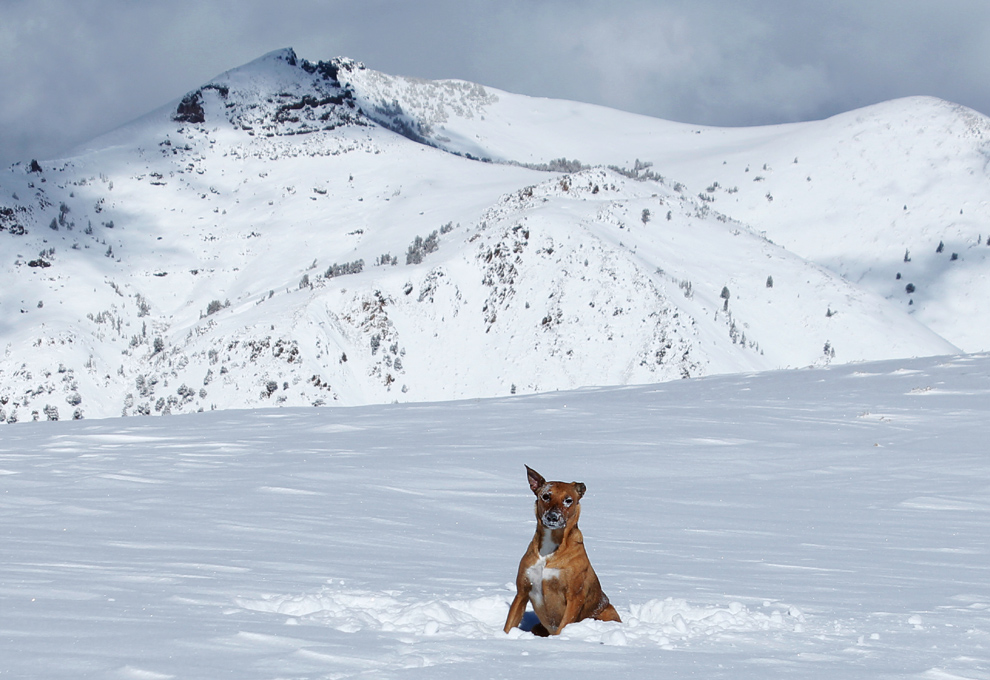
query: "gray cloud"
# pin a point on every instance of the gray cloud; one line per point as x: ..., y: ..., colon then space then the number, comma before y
x: 71, y: 70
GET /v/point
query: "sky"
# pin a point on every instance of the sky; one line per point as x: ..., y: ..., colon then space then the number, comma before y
x: 72, y: 70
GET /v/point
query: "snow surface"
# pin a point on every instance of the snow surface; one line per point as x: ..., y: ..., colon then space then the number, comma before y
x: 813, y: 524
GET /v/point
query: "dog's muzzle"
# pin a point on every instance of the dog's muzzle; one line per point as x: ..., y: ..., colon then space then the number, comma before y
x: 553, y: 519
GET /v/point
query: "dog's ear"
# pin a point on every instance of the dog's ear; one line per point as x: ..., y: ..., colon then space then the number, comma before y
x: 580, y: 488
x: 535, y: 479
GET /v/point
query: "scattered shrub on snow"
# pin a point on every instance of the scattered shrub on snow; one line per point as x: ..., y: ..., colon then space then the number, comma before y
x: 355, y: 267
x: 215, y: 306
x: 421, y: 247
x: 555, y: 165
x: 640, y: 171
x: 143, y: 307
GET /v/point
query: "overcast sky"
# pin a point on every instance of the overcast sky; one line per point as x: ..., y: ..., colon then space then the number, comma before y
x: 72, y: 69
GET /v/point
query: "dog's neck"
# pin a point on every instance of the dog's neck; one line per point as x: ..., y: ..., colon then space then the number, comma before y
x: 548, y: 540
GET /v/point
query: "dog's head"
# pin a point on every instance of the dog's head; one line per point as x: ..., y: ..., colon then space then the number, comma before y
x: 557, y: 503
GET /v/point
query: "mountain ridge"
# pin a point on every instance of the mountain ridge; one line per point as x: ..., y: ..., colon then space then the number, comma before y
x: 293, y: 233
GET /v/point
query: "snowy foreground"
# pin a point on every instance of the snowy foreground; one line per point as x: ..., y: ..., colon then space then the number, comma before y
x: 830, y: 523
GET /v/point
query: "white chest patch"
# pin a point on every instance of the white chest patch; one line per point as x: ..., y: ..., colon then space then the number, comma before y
x: 547, y: 544
x: 537, y: 574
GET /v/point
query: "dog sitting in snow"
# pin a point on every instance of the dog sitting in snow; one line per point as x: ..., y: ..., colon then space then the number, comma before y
x: 555, y: 573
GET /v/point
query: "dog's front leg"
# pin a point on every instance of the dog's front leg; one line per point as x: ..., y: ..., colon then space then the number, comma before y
x: 571, y: 612
x: 516, y: 610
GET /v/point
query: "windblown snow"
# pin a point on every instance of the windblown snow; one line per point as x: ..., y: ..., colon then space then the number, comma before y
x: 297, y: 234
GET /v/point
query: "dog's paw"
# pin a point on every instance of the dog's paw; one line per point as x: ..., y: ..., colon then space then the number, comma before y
x: 516, y: 633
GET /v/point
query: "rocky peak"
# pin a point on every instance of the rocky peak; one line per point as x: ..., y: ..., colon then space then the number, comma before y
x: 277, y: 95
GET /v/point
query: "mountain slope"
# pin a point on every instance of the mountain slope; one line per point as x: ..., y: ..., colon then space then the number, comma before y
x: 884, y: 196
x: 292, y: 233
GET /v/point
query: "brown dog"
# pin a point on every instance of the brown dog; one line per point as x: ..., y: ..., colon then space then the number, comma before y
x: 555, y: 573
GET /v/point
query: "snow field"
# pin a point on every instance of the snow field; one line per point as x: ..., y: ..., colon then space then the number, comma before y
x: 815, y: 523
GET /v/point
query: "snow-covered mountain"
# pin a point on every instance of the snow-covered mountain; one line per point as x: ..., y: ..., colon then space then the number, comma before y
x: 304, y: 233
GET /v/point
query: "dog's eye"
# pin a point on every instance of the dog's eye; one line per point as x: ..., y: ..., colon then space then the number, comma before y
x: 568, y: 501
x: 546, y: 498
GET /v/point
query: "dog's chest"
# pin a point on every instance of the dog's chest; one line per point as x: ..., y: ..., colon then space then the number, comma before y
x: 537, y: 574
